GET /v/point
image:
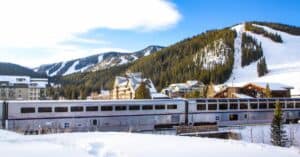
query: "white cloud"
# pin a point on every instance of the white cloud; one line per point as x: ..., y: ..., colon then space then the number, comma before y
x: 33, y: 57
x: 45, y: 23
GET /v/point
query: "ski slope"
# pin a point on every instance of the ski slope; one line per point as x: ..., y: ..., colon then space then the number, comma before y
x: 283, y: 60
x: 131, y: 145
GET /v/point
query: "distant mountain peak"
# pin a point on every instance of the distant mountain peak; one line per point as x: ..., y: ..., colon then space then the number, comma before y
x: 95, y: 62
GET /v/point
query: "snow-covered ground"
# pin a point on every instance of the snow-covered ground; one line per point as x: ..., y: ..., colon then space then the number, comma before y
x: 283, y: 60
x: 261, y: 133
x: 132, y: 145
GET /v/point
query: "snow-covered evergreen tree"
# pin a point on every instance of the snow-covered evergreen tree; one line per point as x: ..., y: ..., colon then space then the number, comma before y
x: 278, y: 134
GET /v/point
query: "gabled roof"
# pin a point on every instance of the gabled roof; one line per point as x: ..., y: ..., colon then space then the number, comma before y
x: 134, y: 80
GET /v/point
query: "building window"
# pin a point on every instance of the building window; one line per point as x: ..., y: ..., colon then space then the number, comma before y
x: 76, y: 109
x: 44, y: 109
x: 28, y: 110
x: 217, y: 118
x: 121, y: 108
x: 135, y: 107
x: 233, y: 117
x: 147, y: 107
x: 61, y: 109
x: 106, y: 108
x: 160, y: 107
x: 201, y: 107
x: 91, y: 108
x: 172, y: 107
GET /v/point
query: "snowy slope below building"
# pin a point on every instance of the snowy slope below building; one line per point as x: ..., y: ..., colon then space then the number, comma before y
x: 283, y: 60
x: 131, y: 145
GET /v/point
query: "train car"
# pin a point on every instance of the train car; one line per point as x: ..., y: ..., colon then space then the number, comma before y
x: 227, y: 112
x: 139, y: 115
x: 123, y: 115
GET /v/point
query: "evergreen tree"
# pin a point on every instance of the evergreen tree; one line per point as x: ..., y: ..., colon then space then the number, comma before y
x: 278, y: 135
x: 142, y: 92
x: 262, y: 68
x: 268, y: 93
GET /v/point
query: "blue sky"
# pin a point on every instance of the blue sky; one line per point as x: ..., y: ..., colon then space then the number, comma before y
x: 130, y: 26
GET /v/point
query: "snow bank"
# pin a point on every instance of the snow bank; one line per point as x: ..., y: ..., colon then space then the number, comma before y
x: 131, y: 145
x: 261, y: 133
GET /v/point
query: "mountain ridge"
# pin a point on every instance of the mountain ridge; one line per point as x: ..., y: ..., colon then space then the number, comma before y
x: 95, y: 62
x: 15, y: 69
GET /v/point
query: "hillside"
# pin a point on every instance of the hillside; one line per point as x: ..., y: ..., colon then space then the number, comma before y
x: 230, y: 55
x: 95, y: 62
x: 282, y: 58
x: 14, y: 69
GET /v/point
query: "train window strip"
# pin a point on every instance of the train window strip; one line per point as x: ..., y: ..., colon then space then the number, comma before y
x: 223, y: 106
x: 120, y: 108
x: 297, y: 105
x: 223, y: 100
x: 263, y: 106
x: 282, y: 104
x: 61, y: 109
x: 243, y: 106
x: 212, y: 106
x: 201, y: 107
x: 28, y: 110
x: 134, y: 107
x: 77, y: 109
x: 106, y: 108
x: 253, y: 106
x: 290, y: 104
x: 172, y: 107
x: 45, y: 109
x: 271, y: 105
x: 234, y: 106
x: 160, y: 107
x: 147, y: 107
x: 92, y: 108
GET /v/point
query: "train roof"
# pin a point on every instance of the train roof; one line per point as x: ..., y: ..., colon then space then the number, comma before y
x: 78, y: 101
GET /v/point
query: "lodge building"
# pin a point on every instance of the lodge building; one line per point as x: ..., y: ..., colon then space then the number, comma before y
x: 255, y: 90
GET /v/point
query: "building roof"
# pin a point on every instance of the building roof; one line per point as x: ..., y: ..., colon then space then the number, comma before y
x: 15, y: 79
x: 159, y: 96
x: 134, y: 80
x: 239, y: 95
x: 273, y: 86
x: 18, y: 81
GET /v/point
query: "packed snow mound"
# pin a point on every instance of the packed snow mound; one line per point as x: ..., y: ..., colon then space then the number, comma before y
x: 131, y: 145
x: 283, y: 60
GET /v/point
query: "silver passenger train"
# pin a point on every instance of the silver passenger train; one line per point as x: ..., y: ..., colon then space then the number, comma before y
x: 139, y: 115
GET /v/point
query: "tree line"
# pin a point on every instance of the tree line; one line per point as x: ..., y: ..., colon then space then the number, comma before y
x: 258, y: 30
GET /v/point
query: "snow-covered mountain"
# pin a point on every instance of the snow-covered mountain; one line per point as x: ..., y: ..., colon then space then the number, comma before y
x: 95, y: 62
x: 282, y: 58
